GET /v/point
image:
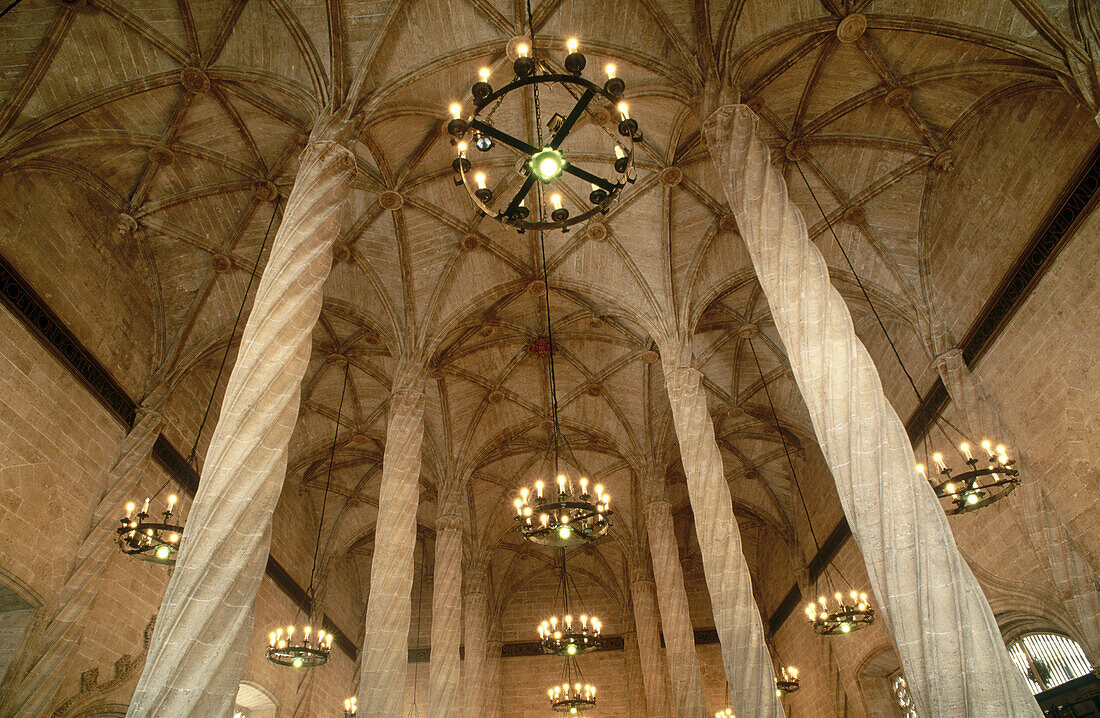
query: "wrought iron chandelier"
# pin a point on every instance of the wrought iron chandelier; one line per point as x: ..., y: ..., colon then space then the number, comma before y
x: 971, y: 489
x: 572, y: 695
x: 158, y: 541
x: 539, y: 160
x: 975, y: 487
x: 148, y: 538
x: 564, y: 634
x: 306, y: 653
x: 569, y: 516
x: 846, y: 617
x: 787, y: 681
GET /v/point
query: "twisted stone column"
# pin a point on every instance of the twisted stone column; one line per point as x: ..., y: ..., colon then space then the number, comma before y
x: 1064, y: 563
x: 494, y: 657
x: 683, y: 663
x: 389, y: 606
x: 635, y: 691
x: 444, y: 699
x: 476, y: 644
x: 201, y: 639
x: 36, y: 678
x: 929, y: 599
x: 745, y: 656
x: 643, y: 595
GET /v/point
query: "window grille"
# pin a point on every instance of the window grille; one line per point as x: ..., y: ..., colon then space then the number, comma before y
x: 1048, y: 660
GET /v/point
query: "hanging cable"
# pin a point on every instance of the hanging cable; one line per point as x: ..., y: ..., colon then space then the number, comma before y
x: 328, y: 481
x: 790, y: 463
x: 867, y: 297
x: 191, y: 458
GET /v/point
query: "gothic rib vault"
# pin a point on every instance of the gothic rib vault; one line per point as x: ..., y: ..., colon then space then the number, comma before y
x: 172, y: 131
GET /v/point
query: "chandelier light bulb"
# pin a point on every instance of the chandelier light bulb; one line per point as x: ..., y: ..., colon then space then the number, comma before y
x: 145, y: 508
x: 538, y: 488
x: 988, y: 446
x: 921, y: 471
x: 483, y: 73
x: 172, y: 501
x: 571, y: 44
x: 130, y: 509
x: 965, y: 449
x: 619, y: 152
x: 462, y: 147
x: 611, y: 70
x: 522, y: 49
x: 624, y: 110
x: 1001, y: 449
x: 480, y: 179
x: 938, y: 458
x: 556, y: 201
x: 456, y: 111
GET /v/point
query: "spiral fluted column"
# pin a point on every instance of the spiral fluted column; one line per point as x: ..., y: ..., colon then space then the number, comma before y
x: 389, y: 605
x: 201, y: 638
x: 444, y: 697
x: 40, y: 671
x: 745, y: 657
x: 1062, y: 560
x: 494, y: 657
x: 683, y: 663
x: 635, y: 690
x: 643, y: 596
x: 476, y: 624
x: 929, y: 599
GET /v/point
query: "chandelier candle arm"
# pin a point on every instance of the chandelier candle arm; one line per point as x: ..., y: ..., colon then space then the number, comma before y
x: 922, y: 587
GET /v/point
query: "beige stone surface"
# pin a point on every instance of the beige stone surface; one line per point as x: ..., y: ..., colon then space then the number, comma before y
x: 939, y: 619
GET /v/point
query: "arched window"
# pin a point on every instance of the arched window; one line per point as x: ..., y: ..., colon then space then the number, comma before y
x: 1048, y: 660
x: 253, y: 702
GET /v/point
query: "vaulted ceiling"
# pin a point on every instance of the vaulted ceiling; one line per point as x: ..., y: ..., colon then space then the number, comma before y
x: 169, y: 132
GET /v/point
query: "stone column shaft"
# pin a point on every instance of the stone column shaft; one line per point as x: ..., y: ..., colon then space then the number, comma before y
x: 476, y: 640
x: 494, y: 699
x: 745, y: 655
x: 635, y: 689
x: 1062, y: 560
x: 444, y: 698
x: 928, y: 597
x: 683, y: 663
x: 389, y: 605
x: 200, y: 642
x: 36, y: 678
x: 643, y: 595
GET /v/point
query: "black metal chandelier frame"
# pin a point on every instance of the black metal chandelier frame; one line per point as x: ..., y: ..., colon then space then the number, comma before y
x: 975, y: 488
x: 572, y: 695
x: 153, y: 541
x: 532, y: 72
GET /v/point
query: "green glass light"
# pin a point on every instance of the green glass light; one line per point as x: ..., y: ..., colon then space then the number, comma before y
x: 564, y: 532
x: 547, y: 164
x: 297, y: 662
x: 571, y: 649
x: 163, y: 552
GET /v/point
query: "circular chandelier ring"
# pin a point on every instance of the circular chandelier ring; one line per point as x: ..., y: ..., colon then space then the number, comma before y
x: 604, y: 191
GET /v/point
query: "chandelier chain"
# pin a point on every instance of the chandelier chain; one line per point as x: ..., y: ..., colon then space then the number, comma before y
x: 328, y: 481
